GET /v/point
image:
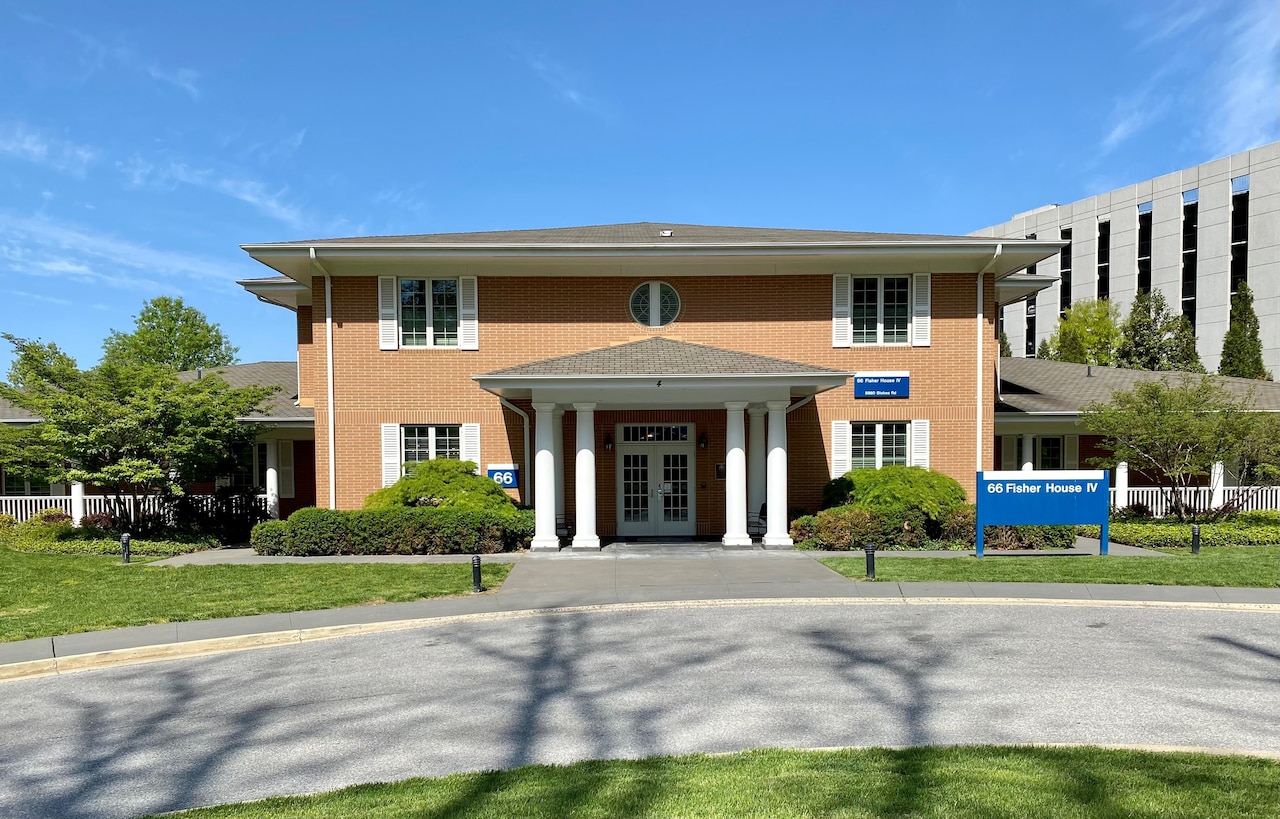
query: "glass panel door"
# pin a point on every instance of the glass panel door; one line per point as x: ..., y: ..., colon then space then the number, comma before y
x: 675, y: 487
x: 635, y: 487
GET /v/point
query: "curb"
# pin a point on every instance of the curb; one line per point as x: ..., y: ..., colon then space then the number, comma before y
x: 223, y: 645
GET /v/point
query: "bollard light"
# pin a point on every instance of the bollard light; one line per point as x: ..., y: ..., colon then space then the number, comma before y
x: 870, y: 549
x: 124, y: 546
x: 475, y: 574
x: 1195, y: 538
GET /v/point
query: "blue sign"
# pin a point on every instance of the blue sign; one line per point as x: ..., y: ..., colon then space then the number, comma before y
x: 882, y: 385
x: 1043, y: 498
x: 508, y: 477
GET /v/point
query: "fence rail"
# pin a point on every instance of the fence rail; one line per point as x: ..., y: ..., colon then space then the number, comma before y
x: 23, y: 507
x: 1200, y: 498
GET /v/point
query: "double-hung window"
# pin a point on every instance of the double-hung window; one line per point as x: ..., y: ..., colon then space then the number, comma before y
x: 428, y: 312
x: 426, y: 443
x: 880, y: 309
x: 15, y: 484
x: 877, y: 445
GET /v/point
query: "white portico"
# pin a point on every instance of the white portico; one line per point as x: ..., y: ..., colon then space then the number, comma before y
x: 640, y: 403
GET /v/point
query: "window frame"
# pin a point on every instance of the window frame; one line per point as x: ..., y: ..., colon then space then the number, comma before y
x: 428, y: 286
x: 655, y: 304
x: 879, y: 443
x: 433, y: 446
x: 5, y: 477
x: 909, y: 304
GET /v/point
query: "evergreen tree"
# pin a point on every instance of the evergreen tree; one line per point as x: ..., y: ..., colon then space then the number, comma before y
x: 1242, y: 346
x: 1182, y: 354
x: 1044, y: 350
x: 1005, y: 350
x: 1153, y: 338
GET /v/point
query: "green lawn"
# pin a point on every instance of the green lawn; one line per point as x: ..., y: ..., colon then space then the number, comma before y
x: 1256, y: 566
x: 917, y: 782
x: 44, y: 595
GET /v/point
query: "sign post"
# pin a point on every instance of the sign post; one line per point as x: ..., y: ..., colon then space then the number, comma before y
x: 1043, y: 498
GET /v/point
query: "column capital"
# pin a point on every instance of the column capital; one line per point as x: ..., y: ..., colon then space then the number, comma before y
x: 774, y: 406
x: 756, y: 410
x: 584, y: 407
x: 735, y: 405
x: 558, y: 411
x: 544, y: 406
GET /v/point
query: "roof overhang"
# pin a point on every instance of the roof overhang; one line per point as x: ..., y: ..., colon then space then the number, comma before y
x: 283, y: 292
x: 642, y: 391
x: 1018, y: 286
x: 1001, y: 256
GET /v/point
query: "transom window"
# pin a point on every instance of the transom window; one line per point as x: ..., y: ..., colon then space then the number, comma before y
x: 652, y: 434
x: 877, y: 445
x: 425, y: 443
x: 429, y: 312
x: 655, y: 304
x: 880, y: 309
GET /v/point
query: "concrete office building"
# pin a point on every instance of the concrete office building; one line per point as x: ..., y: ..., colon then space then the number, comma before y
x: 1192, y: 234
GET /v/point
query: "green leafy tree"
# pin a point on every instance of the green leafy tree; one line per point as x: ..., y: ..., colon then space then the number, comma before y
x: 1178, y: 431
x: 129, y: 428
x: 1152, y: 338
x: 168, y: 333
x: 441, y: 482
x: 1089, y: 333
x: 1242, y: 346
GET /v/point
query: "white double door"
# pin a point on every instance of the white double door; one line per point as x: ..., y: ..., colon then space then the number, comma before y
x: 655, y: 490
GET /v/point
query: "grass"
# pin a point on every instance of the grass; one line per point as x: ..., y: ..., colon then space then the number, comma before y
x: 1254, y: 566
x: 46, y: 595
x: 915, y: 782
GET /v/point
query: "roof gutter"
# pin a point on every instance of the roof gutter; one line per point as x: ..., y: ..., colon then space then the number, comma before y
x: 979, y: 438
x: 328, y: 348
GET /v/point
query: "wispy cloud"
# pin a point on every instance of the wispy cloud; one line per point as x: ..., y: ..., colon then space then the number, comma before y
x: 1246, y: 78
x: 182, y: 78
x: 1166, y: 20
x: 564, y: 83
x: 40, y: 247
x: 46, y: 299
x: 1131, y: 116
x: 264, y: 198
x: 21, y: 141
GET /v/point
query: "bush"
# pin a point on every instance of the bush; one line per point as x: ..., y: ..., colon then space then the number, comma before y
x: 846, y: 528
x: 1134, y: 511
x: 441, y: 482
x: 101, y: 521
x: 1173, y: 536
x: 804, y: 532
x: 960, y: 525
x: 271, y: 537
x: 7, y: 522
x: 314, y: 531
x: 960, y: 529
x: 109, y: 546
x: 835, y: 492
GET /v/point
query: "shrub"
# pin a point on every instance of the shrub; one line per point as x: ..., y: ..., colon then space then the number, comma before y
x: 110, y: 546
x: 1134, y: 511
x: 101, y: 521
x: 7, y: 522
x: 804, y: 532
x: 835, y: 492
x: 441, y: 482
x: 960, y: 525
x: 430, y: 530
x: 46, y: 525
x: 271, y: 537
x: 846, y: 527
x: 315, y: 531
x: 1030, y: 537
x: 1166, y: 536
x: 1258, y: 517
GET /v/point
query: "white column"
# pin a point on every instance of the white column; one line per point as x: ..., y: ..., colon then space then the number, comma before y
x: 273, y: 480
x: 1122, y: 485
x: 558, y: 450
x: 77, y: 502
x: 1217, y: 480
x: 544, y: 485
x: 735, y: 485
x: 585, y: 479
x: 776, y: 533
x: 1028, y: 452
x: 755, y: 460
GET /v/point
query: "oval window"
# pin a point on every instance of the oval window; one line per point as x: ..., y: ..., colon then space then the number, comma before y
x: 655, y: 304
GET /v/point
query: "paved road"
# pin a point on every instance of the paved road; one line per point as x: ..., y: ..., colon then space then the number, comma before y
x: 630, y: 683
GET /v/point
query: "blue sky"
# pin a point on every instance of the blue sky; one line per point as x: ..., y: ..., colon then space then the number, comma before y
x: 141, y: 143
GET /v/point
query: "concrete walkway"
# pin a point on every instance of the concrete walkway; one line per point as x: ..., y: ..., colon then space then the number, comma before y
x: 540, y: 582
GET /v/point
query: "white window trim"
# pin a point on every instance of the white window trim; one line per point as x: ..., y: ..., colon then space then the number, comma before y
x: 842, y: 444
x: 655, y: 304
x: 432, y: 451
x: 844, y: 312
x: 393, y: 450
x: 431, y: 327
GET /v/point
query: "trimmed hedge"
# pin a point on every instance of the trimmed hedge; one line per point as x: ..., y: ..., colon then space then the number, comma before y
x: 50, y: 531
x: 424, y: 530
x: 851, y: 527
x: 1176, y: 535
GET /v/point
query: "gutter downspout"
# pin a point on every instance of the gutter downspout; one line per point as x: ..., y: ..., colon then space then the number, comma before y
x: 797, y: 405
x: 524, y: 461
x: 328, y: 344
x: 982, y: 275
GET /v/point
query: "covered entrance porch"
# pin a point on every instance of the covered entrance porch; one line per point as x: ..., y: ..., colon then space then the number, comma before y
x: 660, y: 439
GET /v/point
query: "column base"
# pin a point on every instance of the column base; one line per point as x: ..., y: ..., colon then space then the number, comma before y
x: 736, y: 540
x: 551, y: 544
x: 784, y: 542
x: 585, y: 544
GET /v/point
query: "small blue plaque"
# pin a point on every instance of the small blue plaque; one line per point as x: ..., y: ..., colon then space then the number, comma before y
x: 508, y: 477
x: 882, y: 385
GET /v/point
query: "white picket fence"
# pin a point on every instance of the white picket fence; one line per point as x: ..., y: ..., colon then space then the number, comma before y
x: 1201, y: 498
x: 23, y: 507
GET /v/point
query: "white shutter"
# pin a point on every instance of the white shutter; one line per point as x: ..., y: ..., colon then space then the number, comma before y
x: 841, y: 331
x: 920, y: 443
x: 841, y: 448
x: 1071, y: 452
x: 391, y: 457
x: 920, y: 307
x: 1009, y: 452
x: 468, y: 324
x: 284, y: 468
x: 388, y: 325
x: 471, y: 444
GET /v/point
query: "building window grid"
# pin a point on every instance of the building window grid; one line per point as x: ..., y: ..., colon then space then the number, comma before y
x: 1239, y: 233
x: 654, y: 433
x: 1190, y: 220
x: 251, y: 467
x: 429, y: 312
x: 1031, y: 268
x: 875, y: 445
x: 14, y: 484
x: 1030, y: 344
x: 1104, y: 259
x: 1144, y: 248
x: 1064, y: 272
x: 427, y: 442
x: 880, y: 309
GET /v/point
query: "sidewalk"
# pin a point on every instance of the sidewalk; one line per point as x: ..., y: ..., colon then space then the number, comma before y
x: 543, y: 582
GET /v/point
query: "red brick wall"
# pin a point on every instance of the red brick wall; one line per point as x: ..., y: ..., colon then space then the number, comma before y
x: 528, y: 319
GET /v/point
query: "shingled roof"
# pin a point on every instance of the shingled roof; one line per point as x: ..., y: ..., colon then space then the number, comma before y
x: 282, y: 405
x: 1032, y: 385
x: 661, y: 357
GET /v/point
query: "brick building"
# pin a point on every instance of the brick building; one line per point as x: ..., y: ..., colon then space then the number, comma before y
x: 649, y: 380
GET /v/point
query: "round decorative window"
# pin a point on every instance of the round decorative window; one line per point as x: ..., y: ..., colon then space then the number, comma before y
x: 655, y: 304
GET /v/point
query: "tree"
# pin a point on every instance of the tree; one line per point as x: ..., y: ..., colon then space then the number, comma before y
x: 1044, y: 350
x: 170, y: 334
x: 1005, y: 351
x: 129, y: 428
x: 1178, y: 431
x: 1088, y: 333
x: 1242, y: 347
x: 1152, y: 338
